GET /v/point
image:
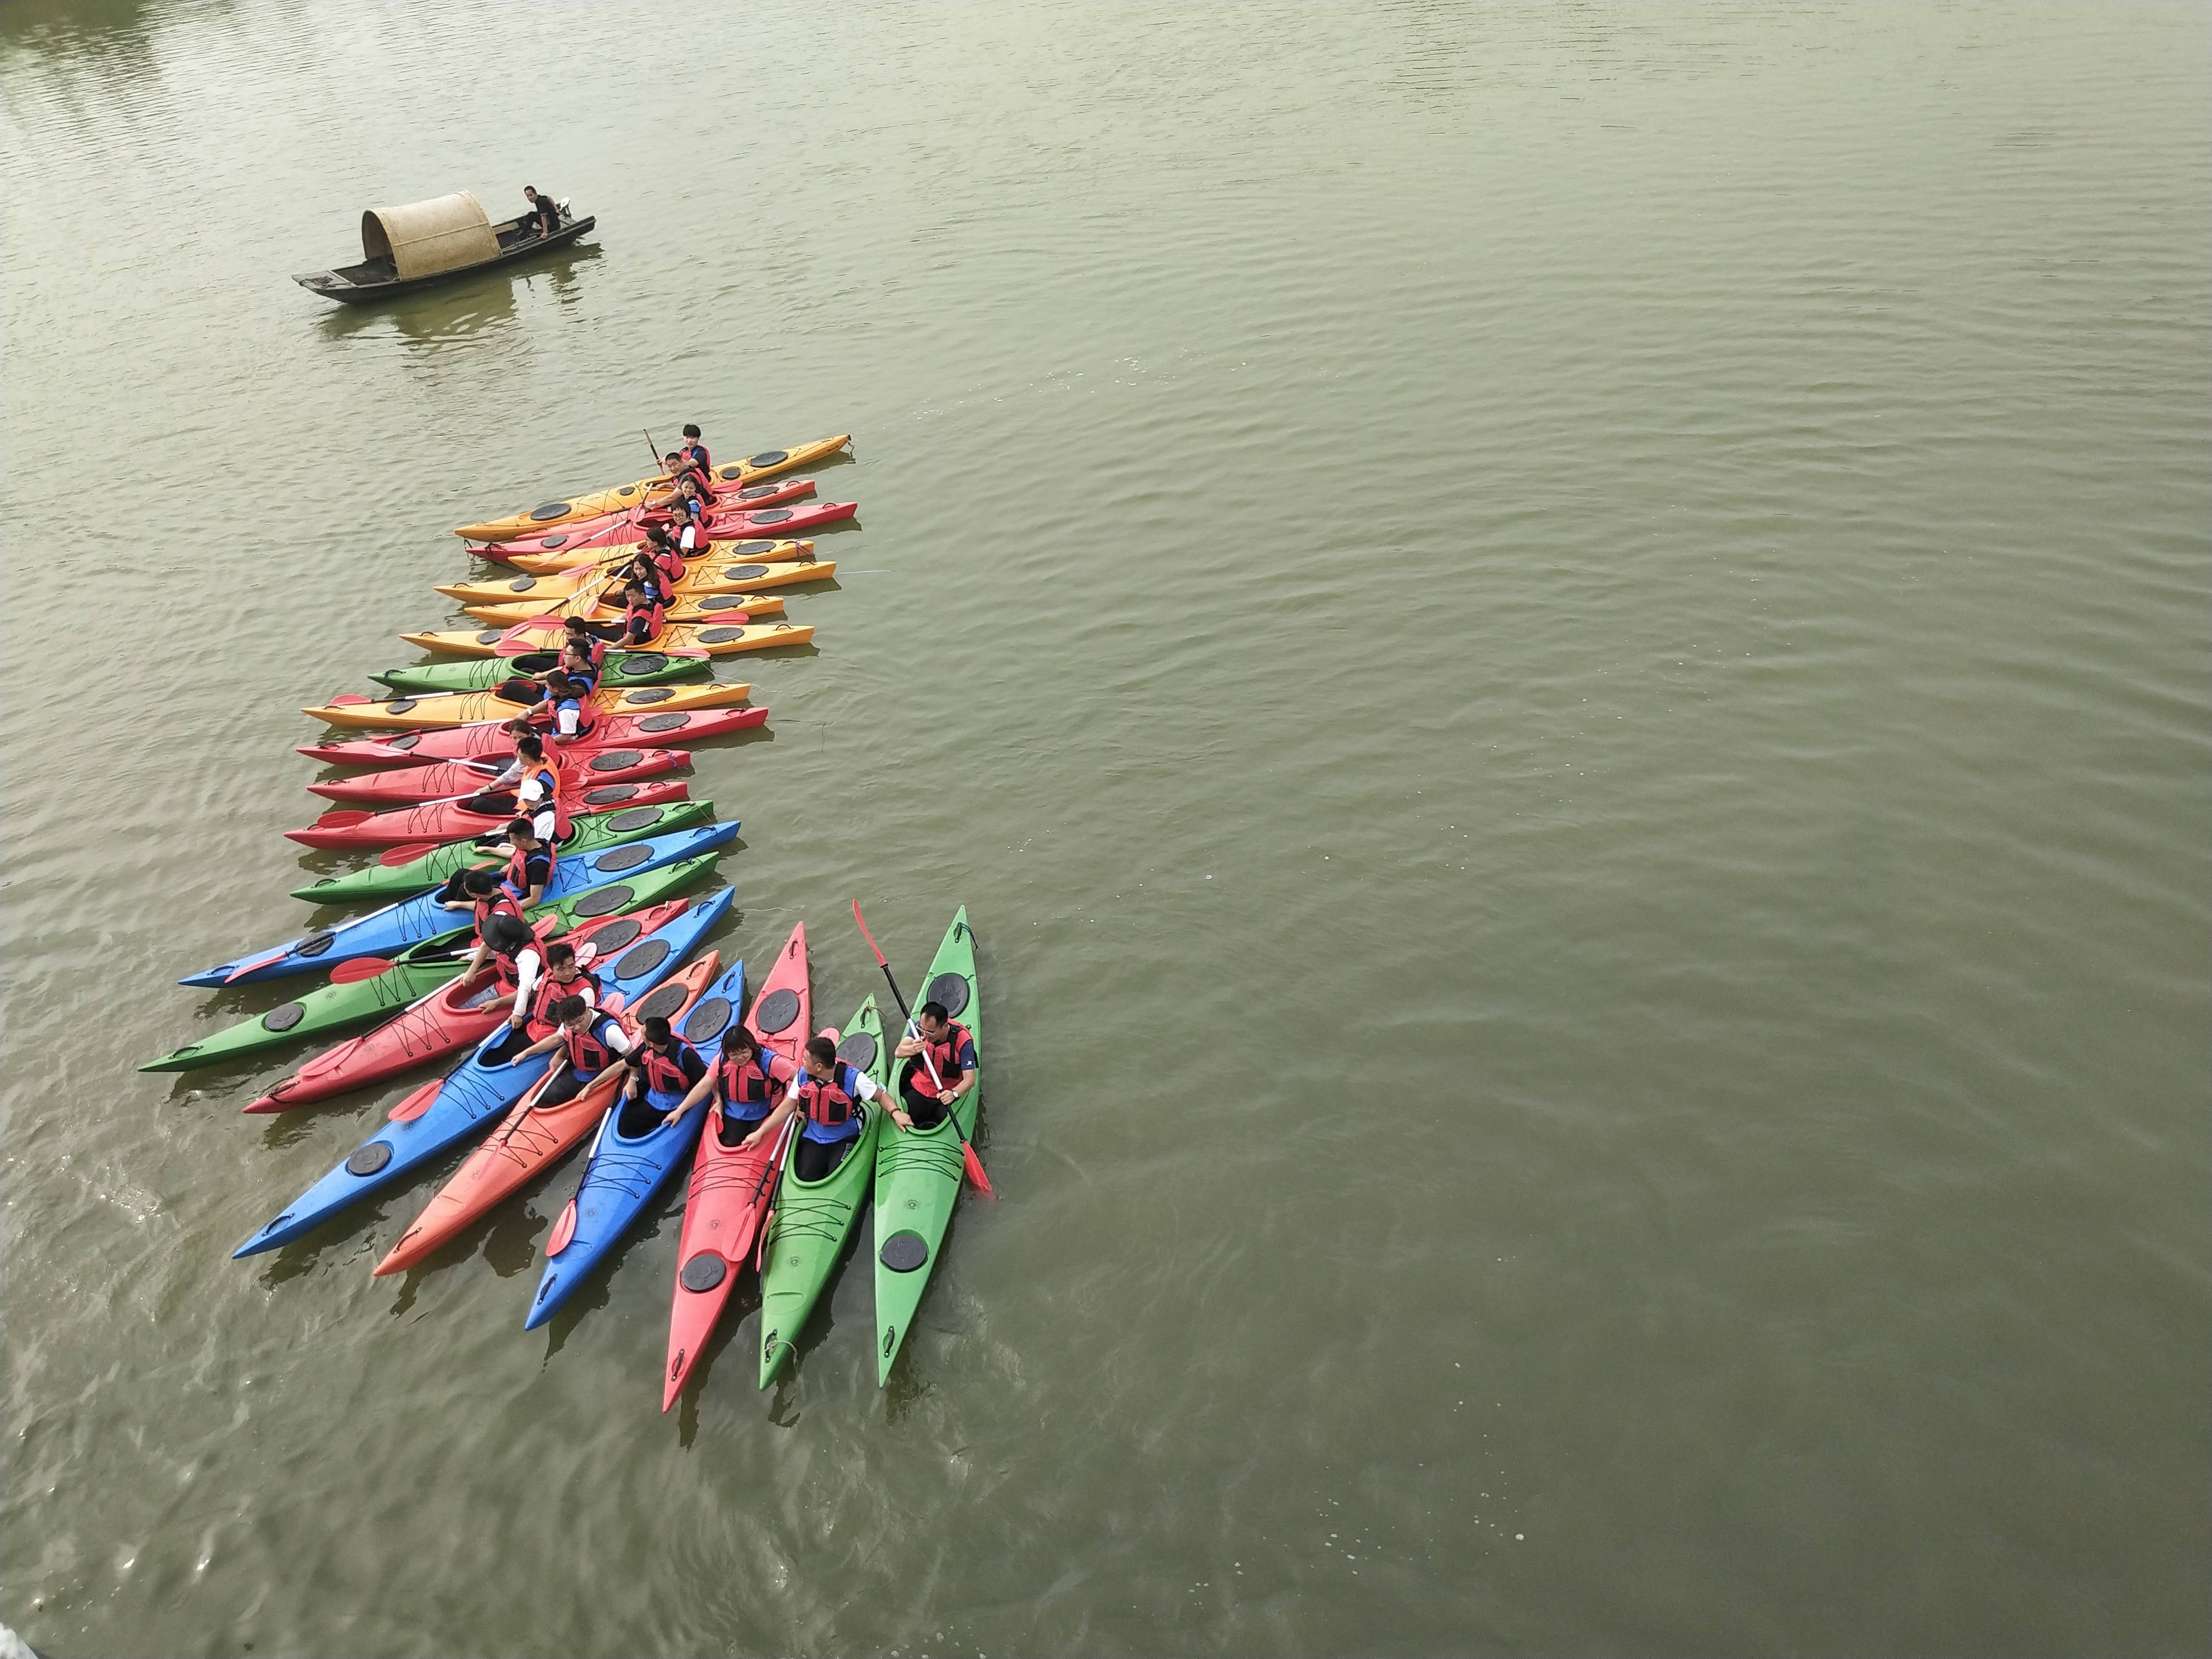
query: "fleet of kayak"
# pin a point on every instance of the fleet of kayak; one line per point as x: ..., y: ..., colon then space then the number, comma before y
x: 430, y: 790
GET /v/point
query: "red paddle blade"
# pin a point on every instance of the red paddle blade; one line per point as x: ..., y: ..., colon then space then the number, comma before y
x: 261, y: 960
x: 361, y: 968
x: 347, y: 699
x: 974, y: 1165
x: 417, y: 1103
x: 408, y: 852
x: 531, y: 624
x: 344, y: 817
x: 867, y: 935
x: 563, y: 1231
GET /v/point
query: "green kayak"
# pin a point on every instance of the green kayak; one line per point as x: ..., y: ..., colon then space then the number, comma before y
x: 415, y: 972
x: 380, y: 883
x: 481, y: 673
x: 813, y: 1218
x: 918, y: 1171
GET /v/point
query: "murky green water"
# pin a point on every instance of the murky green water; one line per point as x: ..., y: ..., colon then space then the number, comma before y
x: 1561, y: 653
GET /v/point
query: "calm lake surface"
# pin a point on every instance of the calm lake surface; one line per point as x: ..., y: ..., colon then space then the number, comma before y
x: 1561, y: 654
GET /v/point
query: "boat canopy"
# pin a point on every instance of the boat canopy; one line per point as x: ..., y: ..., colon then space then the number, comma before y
x: 423, y: 238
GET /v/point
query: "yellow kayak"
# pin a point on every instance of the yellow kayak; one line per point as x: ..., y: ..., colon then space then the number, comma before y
x: 592, y: 560
x: 701, y: 579
x: 715, y: 639
x: 473, y: 707
x: 591, y: 505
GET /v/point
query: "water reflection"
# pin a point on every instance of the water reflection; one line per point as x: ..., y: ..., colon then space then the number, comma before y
x: 474, y: 306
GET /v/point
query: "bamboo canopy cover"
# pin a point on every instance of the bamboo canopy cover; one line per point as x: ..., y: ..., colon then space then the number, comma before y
x: 425, y: 238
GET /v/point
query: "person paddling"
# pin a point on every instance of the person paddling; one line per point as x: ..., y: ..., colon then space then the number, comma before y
x: 825, y: 1097
x: 743, y: 1085
x: 695, y: 452
x: 665, y: 556
x: 948, y: 1046
x: 583, y: 1044
x: 691, y: 509
x: 508, y: 946
x: 665, y: 1071
x: 567, y: 709
x: 577, y: 632
x: 531, y: 785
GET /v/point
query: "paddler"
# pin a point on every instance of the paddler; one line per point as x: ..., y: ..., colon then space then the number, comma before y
x: 665, y: 1071
x: 530, y: 1016
x: 508, y: 946
x: 692, y: 508
x: 534, y: 779
x: 941, y: 1066
x: 680, y: 469
x: 824, y: 1098
x: 743, y: 1085
x: 665, y: 555
x: 567, y: 709
x: 583, y: 1044
x: 577, y: 632
x: 695, y: 452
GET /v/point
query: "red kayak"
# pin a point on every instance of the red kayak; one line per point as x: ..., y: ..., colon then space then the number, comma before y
x: 353, y: 827
x: 407, y: 786
x: 731, y: 1190
x: 778, y: 521
x: 491, y: 740
x: 592, y: 533
x: 450, y: 1018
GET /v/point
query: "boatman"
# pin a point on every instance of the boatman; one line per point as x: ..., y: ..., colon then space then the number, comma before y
x: 824, y: 1098
x: 584, y: 1044
x: 680, y: 468
x: 941, y: 1067
x: 695, y: 453
x: 692, y: 509
x: 664, y: 1071
x: 664, y: 556
x: 542, y: 208
x: 743, y: 1085
x: 532, y: 778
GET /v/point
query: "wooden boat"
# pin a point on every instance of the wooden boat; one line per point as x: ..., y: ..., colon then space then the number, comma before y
x: 410, y: 247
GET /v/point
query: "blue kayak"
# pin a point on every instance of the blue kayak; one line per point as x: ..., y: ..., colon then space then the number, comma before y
x: 384, y: 933
x: 624, y: 1174
x: 478, y: 1091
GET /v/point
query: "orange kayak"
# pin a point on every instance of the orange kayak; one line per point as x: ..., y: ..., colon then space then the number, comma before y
x: 528, y: 1142
x: 437, y: 709
x: 615, y: 499
x: 702, y: 578
x: 756, y: 550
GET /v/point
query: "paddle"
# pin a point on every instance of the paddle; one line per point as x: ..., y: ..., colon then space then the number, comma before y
x: 973, y: 1164
x: 775, y: 1167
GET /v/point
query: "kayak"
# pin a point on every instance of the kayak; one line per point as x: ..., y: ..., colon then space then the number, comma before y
x: 387, y: 931
x: 626, y: 534
x: 762, y: 465
x: 623, y: 1173
x: 720, y: 640
x: 918, y: 1171
x: 705, y: 574
x: 602, y: 529
x: 401, y: 873
x: 550, y: 617
x: 529, y: 1141
x: 620, y: 668
x: 364, y: 989
x: 547, y: 555
x: 354, y: 829
x: 587, y: 561
x: 474, y: 708
x: 485, y: 1084
x: 813, y: 1218
x: 490, y: 739
x: 414, y: 784
x: 450, y: 1017
x: 730, y: 1189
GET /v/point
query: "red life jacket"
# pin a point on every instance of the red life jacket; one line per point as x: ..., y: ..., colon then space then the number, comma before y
x: 548, y: 991
x: 506, y: 970
x: 499, y: 905
x: 670, y: 563
x: 649, y: 608
x: 592, y: 643
x: 695, y: 454
x: 518, y: 873
x: 826, y: 1105
x: 664, y: 1073
x: 590, y: 1053
x: 743, y: 1085
x: 941, y: 1053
